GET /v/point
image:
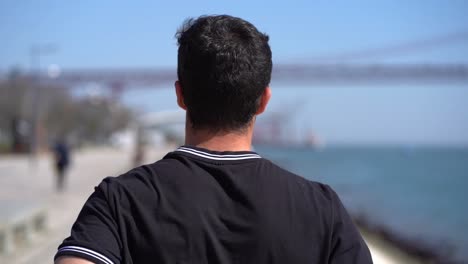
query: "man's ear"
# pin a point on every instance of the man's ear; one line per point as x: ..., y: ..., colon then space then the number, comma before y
x: 264, y: 100
x: 180, y: 96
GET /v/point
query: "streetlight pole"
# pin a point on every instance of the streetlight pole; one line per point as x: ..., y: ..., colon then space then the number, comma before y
x: 36, y: 52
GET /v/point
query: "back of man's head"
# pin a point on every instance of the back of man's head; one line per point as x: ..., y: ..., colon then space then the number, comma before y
x: 224, y: 66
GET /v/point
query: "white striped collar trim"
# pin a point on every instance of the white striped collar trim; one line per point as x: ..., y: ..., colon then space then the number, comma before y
x: 207, y: 155
x: 86, y: 251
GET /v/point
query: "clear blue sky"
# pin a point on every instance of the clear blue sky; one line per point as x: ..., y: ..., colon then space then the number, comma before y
x: 141, y: 33
x: 103, y: 34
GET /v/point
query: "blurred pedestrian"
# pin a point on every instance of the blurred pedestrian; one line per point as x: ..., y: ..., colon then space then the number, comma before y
x: 139, y: 155
x: 62, y: 162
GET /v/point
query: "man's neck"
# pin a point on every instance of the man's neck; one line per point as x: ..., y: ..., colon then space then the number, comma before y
x: 220, y: 141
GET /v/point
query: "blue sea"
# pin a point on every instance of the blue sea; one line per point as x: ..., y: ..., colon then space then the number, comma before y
x: 419, y: 193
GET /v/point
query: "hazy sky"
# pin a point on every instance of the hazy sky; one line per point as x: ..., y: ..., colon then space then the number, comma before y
x: 141, y: 33
x: 103, y: 34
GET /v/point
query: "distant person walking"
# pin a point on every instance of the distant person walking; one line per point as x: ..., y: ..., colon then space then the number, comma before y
x: 139, y: 155
x: 62, y: 161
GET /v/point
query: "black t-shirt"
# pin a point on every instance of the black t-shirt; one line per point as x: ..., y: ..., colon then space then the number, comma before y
x: 201, y: 206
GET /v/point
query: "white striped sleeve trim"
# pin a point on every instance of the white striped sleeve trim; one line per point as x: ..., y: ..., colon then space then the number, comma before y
x: 217, y: 156
x: 86, y: 251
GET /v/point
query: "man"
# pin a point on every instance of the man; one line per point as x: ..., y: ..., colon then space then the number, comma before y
x: 214, y: 200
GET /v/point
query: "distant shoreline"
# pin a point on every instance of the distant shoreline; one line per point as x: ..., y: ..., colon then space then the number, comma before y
x: 404, y: 250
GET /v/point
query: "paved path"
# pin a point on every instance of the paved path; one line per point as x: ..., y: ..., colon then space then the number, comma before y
x: 22, y: 183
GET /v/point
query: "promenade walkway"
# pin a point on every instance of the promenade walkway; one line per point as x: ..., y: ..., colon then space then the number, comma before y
x: 24, y: 183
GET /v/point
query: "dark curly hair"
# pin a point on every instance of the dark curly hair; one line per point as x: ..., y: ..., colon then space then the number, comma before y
x: 224, y: 65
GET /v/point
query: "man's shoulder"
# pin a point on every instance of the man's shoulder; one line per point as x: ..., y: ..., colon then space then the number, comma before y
x: 149, y: 170
x: 139, y: 177
x: 315, y: 186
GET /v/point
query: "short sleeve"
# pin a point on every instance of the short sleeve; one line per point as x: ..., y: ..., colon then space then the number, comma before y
x: 348, y: 246
x: 94, y: 235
